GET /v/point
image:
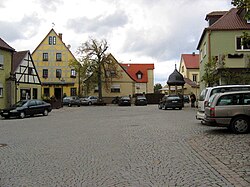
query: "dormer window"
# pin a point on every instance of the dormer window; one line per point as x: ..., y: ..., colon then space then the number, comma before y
x: 139, y: 75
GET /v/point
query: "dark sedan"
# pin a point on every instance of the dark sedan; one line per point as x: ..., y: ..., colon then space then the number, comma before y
x: 124, y: 101
x: 25, y: 108
x: 140, y: 101
x: 171, y: 101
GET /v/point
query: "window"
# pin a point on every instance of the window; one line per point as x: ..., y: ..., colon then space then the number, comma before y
x: 229, y: 100
x: 195, y: 77
x: 240, y: 46
x: 73, y: 73
x: 45, y: 73
x: 30, y: 70
x: 45, y: 57
x: 246, y: 99
x: 115, y: 88
x: 58, y: 73
x: 58, y: 56
x: 52, y: 40
x: 204, y: 50
x: 73, y: 91
x: 139, y: 75
x: 46, y: 92
x: 182, y: 69
x: 1, y: 61
x: 1, y: 89
x: 96, y: 89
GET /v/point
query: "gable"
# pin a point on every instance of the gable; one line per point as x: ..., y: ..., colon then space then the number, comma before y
x: 24, y: 68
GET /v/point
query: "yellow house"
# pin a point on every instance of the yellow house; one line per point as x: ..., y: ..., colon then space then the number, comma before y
x: 28, y: 84
x: 51, y: 58
x: 7, y: 80
x: 122, y: 86
x: 133, y: 79
x: 189, y: 68
x: 143, y: 74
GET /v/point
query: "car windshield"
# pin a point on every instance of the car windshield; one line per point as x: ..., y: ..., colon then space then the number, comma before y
x: 20, y: 103
x: 173, y: 97
x: 126, y: 98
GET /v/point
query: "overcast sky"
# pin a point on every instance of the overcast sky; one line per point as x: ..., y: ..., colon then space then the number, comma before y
x: 137, y: 31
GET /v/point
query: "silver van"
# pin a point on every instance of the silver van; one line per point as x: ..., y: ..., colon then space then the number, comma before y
x: 230, y: 109
x: 209, y: 91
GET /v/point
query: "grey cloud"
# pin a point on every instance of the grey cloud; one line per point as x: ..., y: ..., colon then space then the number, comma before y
x: 11, y: 31
x: 99, y: 24
x: 49, y: 5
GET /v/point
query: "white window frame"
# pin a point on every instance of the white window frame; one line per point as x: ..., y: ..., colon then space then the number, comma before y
x: 115, y: 88
x: 242, y: 46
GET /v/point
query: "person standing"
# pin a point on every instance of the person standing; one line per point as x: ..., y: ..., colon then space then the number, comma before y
x: 193, y: 99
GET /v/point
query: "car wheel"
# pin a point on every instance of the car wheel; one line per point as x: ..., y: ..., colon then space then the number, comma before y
x: 240, y: 125
x: 69, y: 105
x: 159, y: 106
x: 22, y: 115
x: 90, y: 103
x: 164, y: 107
x: 45, y: 112
x: 180, y: 108
x: 7, y: 117
x: 78, y: 105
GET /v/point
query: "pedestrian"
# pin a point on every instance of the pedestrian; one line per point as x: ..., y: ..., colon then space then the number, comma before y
x: 193, y: 99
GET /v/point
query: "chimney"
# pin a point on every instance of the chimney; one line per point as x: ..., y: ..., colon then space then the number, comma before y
x: 60, y: 35
x: 193, y: 53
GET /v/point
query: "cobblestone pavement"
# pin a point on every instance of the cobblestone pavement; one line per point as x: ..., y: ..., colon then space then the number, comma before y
x: 121, y: 146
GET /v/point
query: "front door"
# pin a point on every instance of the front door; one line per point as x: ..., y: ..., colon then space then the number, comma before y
x: 58, y: 93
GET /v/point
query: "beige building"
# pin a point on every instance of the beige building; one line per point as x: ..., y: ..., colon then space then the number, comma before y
x: 52, y: 58
x: 189, y: 68
x: 133, y: 79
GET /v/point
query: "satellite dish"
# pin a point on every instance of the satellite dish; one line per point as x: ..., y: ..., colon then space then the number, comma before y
x: 68, y: 46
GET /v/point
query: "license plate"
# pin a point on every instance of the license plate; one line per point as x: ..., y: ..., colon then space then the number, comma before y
x: 125, y: 101
x: 5, y: 113
x: 174, y: 101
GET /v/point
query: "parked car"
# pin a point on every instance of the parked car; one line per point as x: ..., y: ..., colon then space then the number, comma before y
x: 25, y: 108
x: 231, y: 109
x: 124, y: 101
x: 171, y: 101
x: 186, y: 99
x: 209, y: 91
x: 141, y: 101
x: 90, y: 100
x: 71, y: 101
x: 115, y: 100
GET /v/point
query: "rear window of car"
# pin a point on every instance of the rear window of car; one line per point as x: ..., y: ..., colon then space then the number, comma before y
x: 233, y: 99
x: 173, y: 98
x: 203, y: 95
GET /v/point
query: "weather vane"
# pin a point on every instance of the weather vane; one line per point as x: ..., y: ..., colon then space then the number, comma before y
x: 53, y: 24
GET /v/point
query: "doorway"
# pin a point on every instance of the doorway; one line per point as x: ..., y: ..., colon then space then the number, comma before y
x: 58, y: 93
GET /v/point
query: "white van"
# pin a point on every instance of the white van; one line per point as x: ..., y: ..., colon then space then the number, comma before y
x: 209, y: 91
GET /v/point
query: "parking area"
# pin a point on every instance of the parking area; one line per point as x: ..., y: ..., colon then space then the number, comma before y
x: 121, y: 146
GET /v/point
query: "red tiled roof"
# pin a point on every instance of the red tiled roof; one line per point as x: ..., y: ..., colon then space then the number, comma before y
x: 133, y: 69
x: 230, y: 21
x: 191, y: 61
x: 5, y: 46
x: 191, y: 83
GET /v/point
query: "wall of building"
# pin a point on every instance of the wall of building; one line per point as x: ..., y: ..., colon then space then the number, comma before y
x: 4, y: 74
